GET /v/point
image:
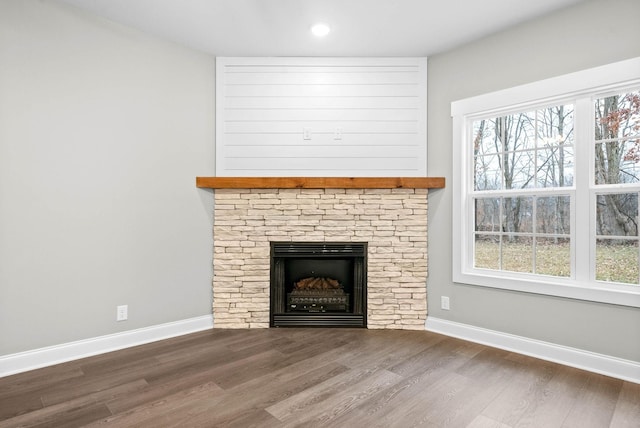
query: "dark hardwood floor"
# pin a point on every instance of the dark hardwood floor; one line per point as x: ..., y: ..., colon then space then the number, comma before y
x: 316, y: 377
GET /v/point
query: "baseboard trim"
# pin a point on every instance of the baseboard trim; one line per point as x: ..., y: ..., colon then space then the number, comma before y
x: 598, y: 363
x: 43, y: 357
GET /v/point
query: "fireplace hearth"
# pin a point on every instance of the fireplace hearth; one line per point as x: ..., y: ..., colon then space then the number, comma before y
x: 321, y: 284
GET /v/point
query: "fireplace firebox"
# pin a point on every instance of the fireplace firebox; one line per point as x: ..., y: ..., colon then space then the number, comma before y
x: 318, y: 284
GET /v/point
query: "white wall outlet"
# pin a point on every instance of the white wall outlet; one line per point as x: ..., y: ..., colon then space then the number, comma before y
x: 122, y: 312
x: 337, y: 134
x: 444, y: 303
x: 306, y: 133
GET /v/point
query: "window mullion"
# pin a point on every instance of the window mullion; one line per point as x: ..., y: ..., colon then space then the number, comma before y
x: 583, y: 217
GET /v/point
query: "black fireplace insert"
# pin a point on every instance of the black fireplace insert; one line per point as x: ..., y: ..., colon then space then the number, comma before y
x: 318, y: 284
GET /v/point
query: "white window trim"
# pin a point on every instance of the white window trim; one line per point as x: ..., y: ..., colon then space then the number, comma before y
x: 555, y: 90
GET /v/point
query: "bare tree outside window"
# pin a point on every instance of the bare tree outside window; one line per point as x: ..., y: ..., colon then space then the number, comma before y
x: 617, y: 162
x: 524, y: 151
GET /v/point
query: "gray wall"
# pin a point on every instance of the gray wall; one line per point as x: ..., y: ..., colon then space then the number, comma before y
x: 589, y: 34
x: 102, y: 133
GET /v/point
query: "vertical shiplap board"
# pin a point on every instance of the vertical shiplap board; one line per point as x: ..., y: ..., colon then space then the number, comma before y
x: 352, y: 117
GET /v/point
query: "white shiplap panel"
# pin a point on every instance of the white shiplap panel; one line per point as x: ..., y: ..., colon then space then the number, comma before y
x: 356, y: 170
x: 322, y: 140
x: 280, y: 102
x: 328, y: 90
x: 327, y: 114
x: 318, y: 152
x: 363, y: 116
x: 318, y: 126
x: 309, y: 164
x: 331, y: 65
x: 364, y: 77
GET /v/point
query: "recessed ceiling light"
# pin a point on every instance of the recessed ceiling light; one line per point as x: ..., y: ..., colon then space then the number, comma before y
x: 320, y: 30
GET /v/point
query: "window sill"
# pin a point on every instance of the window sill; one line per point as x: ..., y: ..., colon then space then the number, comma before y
x: 621, y: 295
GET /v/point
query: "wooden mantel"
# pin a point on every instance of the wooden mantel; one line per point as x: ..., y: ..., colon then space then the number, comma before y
x: 320, y: 182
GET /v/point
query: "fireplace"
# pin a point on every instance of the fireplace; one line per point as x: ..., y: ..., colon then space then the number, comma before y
x: 318, y: 284
x: 392, y: 223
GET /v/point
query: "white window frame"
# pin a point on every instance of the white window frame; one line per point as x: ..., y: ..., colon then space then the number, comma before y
x: 578, y: 88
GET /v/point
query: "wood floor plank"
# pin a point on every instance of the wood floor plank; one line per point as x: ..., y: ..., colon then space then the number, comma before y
x: 323, y: 408
x: 172, y: 410
x: 420, y: 372
x: 240, y: 371
x: 73, y: 413
x: 86, y: 385
x: 627, y: 411
x: 19, y: 404
x: 329, y: 377
x: 107, y: 368
x: 488, y: 360
x: 22, y: 393
x: 155, y: 392
x: 524, y: 389
x: 438, y: 354
x: 50, y: 413
x: 437, y: 396
x: 319, y: 392
x: 445, y: 404
x: 251, y: 418
x: 550, y: 405
x: 268, y: 390
x: 38, y: 378
x: 482, y: 421
x: 398, y: 350
x: 71, y: 410
x: 415, y: 405
x: 230, y: 377
x: 597, y: 403
x: 490, y: 372
x: 75, y: 417
x: 220, y: 359
x: 254, y: 418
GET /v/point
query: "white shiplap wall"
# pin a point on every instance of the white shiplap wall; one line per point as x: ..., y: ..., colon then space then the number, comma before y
x: 353, y: 117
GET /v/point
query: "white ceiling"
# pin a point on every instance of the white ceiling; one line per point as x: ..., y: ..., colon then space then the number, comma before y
x: 359, y: 27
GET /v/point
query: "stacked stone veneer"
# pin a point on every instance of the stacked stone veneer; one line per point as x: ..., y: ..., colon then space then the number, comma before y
x: 392, y: 221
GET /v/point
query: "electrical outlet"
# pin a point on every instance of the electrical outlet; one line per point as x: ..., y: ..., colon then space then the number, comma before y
x: 306, y: 133
x: 337, y: 134
x: 122, y: 312
x: 444, y: 303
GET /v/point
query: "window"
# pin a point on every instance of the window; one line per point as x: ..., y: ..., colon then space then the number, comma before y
x: 523, y: 168
x: 546, y: 184
x: 616, y: 185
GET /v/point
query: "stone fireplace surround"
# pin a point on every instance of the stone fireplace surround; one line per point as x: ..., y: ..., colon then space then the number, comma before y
x: 392, y: 220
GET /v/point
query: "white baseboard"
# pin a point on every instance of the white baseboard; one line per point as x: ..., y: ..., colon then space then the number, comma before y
x: 43, y: 357
x: 598, y: 363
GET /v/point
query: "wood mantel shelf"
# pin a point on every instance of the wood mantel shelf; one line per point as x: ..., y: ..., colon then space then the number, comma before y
x: 320, y: 182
